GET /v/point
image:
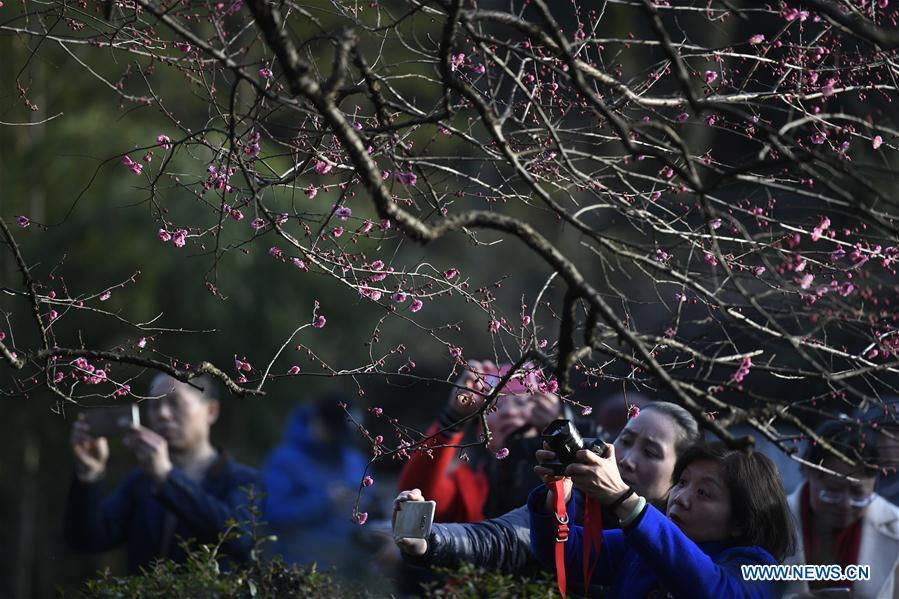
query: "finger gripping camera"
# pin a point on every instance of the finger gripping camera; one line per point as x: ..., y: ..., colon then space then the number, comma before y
x: 565, y: 440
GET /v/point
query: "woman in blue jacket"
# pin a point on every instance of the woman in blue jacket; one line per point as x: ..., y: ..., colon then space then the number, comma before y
x: 726, y: 510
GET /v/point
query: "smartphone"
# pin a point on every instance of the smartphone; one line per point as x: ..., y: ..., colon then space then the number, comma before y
x: 111, y: 422
x: 414, y: 519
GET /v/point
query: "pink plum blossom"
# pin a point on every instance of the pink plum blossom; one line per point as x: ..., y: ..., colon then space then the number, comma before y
x: 322, y: 167
x: 320, y: 322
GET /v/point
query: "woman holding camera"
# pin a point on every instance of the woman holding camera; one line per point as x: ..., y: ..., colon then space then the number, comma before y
x: 646, y: 451
x: 726, y: 509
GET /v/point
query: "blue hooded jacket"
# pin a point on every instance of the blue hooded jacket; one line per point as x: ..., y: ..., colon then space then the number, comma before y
x: 652, y: 555
x: 297, y: 476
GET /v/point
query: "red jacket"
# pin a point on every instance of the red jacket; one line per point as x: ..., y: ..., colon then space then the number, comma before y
x: 460, y: 494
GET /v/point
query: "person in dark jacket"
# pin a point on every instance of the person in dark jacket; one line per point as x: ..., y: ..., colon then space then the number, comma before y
x: 726, y: 510
x: 183, y: 487
x: 311, y: 479
x: 647, y: 450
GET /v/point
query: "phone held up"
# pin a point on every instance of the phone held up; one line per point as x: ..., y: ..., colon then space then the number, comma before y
x: 111, y: 422
x: 414, y: 519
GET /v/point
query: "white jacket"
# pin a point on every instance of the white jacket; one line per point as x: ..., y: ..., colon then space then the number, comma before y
x: 879, y: 549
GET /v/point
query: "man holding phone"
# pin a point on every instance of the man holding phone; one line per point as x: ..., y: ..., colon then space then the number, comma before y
x: 182, y: 488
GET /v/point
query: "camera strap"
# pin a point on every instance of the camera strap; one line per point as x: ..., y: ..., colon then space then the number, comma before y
x: 592, y: 538
x: 557, y: 488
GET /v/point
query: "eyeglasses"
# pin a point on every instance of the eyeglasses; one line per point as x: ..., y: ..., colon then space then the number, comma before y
x: 839, y: 497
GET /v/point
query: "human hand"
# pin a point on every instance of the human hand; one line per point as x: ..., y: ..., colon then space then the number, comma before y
x: 549, y: 477
x: 408, y: 545
x: 597, y: 476
x: 151, y: 450
x: 545, y: 408
x: 475, y: 382
x: 91, y: 453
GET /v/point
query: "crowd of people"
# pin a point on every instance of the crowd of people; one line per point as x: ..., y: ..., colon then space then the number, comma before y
x: 657, y: 512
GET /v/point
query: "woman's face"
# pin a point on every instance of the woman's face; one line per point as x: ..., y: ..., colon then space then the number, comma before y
x: 831, y: 497
x: 645, y: 452
x: 699, y: 503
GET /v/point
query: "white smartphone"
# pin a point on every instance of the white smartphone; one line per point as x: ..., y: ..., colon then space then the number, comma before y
x: 414, y: 519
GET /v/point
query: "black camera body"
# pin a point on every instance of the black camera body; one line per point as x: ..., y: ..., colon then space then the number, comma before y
x: 565, y: 440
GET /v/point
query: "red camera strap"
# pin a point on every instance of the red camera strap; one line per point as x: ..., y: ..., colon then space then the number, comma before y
x: 592, y: 535
x: 558, y: 490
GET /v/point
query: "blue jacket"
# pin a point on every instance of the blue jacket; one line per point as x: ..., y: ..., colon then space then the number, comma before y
x: 651, y: 554
x: 137, y: 516
x: 297, y: 475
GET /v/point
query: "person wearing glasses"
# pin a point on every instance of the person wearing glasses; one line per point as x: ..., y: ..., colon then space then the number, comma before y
x: 842, y: 521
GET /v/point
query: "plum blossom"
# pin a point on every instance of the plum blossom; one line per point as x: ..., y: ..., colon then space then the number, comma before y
x: 164, y: 141
x: 409, y: 178
x: 742, y: 371
x: 294, y: 370
x: 399, y: 297
x: 342, y: 212
x: 456, y: 61
x: 135, y: 167
x: 322, y: 167
x: 806, y: 281
x: 257, y: 223
x: 633, y: 411
x: 265, y: 73
x: 237, y: 215
x: 311, y: 191
x: 502, y: 453
x: 586, y: 411
x: 710, y: 76
x: 876, y: 142
x: 105, y: 296
x: 142, y: 342
x: 822, y: 226
x: 23, y: 221
x: 710, y: 259
x: 758, y: 38
x: 337, y: 232
x: 242, y: 365
x: 416, y: 305
x: 275, y: 251
x: 319, y: 322
x: 368, y: 481
x: 179, y: 238
x: 450, y: 274
x: 361, y: 518
x: 385, y: 224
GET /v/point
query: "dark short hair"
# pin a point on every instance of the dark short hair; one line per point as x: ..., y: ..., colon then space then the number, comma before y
x: 847, y: 437
x: 758, y: 504
x: 205, y: 385
x: 688, y: 433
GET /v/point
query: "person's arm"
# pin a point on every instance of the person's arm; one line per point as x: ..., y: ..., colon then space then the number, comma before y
x: 684, y: 569
x: 501, y: 543
x: 94, y: 524
x: 543, y: 541
x: 423, y: 472
x: 208, y: 515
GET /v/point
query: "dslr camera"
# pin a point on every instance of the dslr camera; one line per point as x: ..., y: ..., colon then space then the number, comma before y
x: 564, y: 439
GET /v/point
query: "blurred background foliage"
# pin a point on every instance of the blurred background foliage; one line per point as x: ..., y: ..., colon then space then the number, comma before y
x: 93, y: 229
